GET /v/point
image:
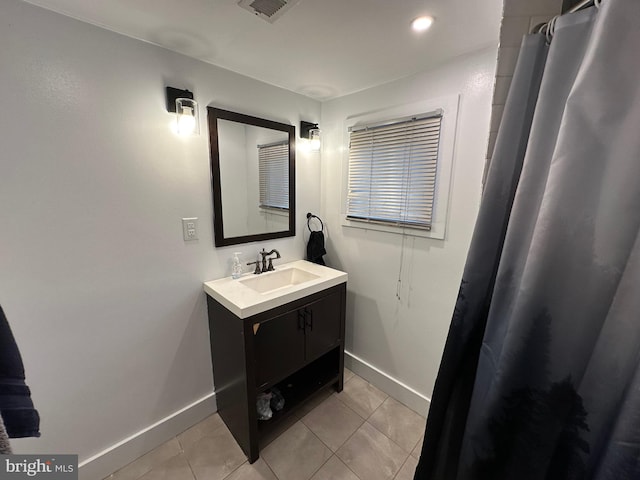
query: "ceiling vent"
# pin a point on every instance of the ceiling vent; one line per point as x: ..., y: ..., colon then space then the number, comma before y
x: 269, y: 10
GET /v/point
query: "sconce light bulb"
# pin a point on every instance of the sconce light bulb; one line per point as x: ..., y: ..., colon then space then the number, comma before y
x: 314, y: 139
x: 186, y: 121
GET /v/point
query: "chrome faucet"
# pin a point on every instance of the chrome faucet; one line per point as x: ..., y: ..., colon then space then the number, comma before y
x: 265, y: 255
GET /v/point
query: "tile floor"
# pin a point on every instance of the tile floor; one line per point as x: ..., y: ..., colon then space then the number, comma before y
x: 358, y: 434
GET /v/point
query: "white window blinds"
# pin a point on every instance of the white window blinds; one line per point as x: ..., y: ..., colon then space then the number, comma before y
x: 393, y: 170
x: 273, y: 173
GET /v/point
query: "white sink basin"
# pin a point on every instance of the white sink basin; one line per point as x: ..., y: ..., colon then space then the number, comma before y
x: 252, y: 294
x: 271, y: 281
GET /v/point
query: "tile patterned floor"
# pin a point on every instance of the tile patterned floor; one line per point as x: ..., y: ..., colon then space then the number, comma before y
x: 358, y: 434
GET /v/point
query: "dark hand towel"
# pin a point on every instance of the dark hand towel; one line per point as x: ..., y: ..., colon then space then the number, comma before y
x: 19, y: 416
x: 315, y: 248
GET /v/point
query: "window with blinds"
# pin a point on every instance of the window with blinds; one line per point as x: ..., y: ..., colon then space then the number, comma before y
x: 273, y: 174
x: 393, y: 170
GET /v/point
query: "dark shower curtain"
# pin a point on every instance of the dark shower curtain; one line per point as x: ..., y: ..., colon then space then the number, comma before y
x: 539, y: 378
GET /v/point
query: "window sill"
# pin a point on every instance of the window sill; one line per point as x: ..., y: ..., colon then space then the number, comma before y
x: 436, y: 232
x: 274, y: 211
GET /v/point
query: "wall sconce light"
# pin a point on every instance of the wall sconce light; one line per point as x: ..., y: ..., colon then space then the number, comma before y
x: 312, y: 132
x: 181, y: 103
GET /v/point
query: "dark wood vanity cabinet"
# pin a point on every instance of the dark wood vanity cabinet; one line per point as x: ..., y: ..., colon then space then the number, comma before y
x: 286, y: 343
x: 297, y: 347
x: 279, y: 348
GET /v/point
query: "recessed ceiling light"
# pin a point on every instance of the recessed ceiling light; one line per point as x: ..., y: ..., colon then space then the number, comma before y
x: 421, y: 24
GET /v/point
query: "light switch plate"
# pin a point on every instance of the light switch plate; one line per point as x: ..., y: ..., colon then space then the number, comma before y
x: 190, y: 229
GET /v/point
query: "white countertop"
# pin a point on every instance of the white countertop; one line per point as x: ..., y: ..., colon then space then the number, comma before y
x: 244, y: 301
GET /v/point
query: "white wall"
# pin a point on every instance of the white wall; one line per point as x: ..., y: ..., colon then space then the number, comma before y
x: 104, y: 296
x: 404, y: 338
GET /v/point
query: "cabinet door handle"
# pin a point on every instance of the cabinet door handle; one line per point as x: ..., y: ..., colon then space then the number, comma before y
x: 301, y: 319
x: 308, y: 313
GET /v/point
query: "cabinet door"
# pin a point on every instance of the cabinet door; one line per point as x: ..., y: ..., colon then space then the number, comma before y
x: 323, y: 319
x: 279, y: 347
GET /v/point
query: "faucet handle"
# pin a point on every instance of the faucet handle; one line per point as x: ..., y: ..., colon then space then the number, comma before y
x: 270, y: 267
x: 257, y: 270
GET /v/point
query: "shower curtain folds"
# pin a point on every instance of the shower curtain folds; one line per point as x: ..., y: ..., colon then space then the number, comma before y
x: 539, y: 377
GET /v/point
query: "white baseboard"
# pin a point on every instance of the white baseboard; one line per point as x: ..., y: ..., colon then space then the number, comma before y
x: 124, y: 452
x: 120, y: 454
x: 389, y: 385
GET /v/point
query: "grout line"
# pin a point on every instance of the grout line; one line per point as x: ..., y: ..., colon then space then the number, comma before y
x: 356, y: 431
x: 269, y: 467
x: 231, y: 472
x: 352, y: 409
x: 325, y: 446
x: 179, y: 442
x: 201, y: 438
x: 387, y: 436
x: 372, y: 385
x: 380, y: 406
x: 350, y: 378
x: 314, y: 434
x: 323, y: 463
x: 193, y: 474
x: 375, y: 410
x: 401, y: 467
x: 337, y: 395
x: 349, y: 468
x: 401, y: 447
x: 414, y: 447
x: 347, y: 441
x: 114, y: 475
x: 335, y: 454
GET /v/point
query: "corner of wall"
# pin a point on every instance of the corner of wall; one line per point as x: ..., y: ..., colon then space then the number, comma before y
x: 124, y: 452
x: 388, y: 384
x: 519, y: 18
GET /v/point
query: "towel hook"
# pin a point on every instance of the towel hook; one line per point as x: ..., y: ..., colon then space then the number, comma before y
x: 309, y: 217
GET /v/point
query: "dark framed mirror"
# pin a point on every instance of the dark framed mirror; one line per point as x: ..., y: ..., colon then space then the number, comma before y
x: 252, y: 177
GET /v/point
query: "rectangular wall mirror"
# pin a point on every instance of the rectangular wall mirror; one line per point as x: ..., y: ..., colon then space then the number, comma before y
x: 252, y: 177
